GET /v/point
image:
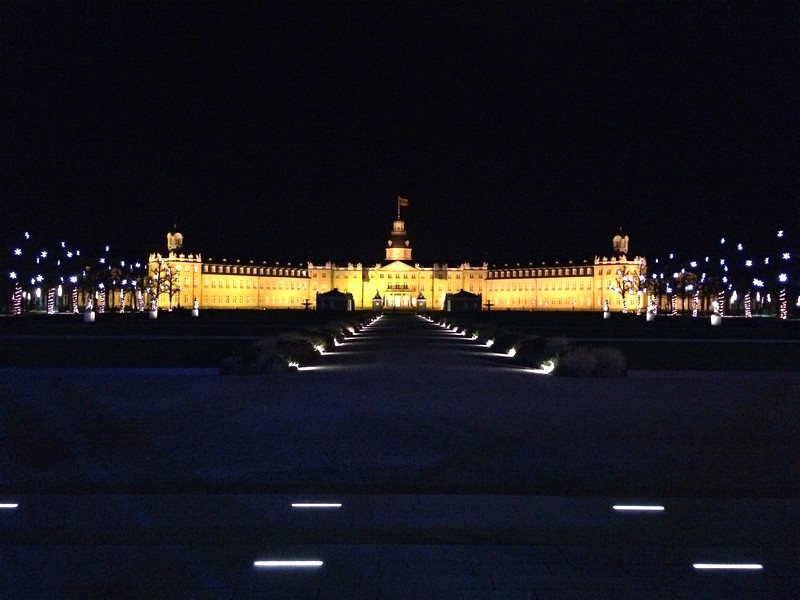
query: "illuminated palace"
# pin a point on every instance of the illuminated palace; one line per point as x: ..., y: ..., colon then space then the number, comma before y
x: 397, y: 282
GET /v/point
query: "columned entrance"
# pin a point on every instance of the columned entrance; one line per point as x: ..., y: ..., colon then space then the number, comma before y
x: 393, y: 300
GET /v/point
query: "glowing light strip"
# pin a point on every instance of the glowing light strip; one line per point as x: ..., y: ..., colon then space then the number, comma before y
x: 277, y: 564
x: 9, y: 505
x: 638, y: 507
x: 727, y: 566
x: 315, y: 505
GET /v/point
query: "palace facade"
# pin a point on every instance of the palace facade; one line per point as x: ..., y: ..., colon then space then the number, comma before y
x: 397, y: 282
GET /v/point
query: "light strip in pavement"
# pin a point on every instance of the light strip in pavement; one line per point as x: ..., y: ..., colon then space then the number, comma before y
x: 651, y: 507
x: 9, y: 505
x: 316, y: 505
x: 727, y: 566
x: 277, y: 564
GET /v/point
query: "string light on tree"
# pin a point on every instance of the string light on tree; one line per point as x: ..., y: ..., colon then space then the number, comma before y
x: 784, y: 310
x: 16, y: 299
x: 782, y: 299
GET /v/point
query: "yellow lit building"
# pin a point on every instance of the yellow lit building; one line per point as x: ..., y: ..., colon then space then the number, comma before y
x: 397, y: 283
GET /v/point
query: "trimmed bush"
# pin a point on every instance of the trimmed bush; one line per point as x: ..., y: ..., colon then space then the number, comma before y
x: 486, y: 333
x: 260, y: 358
x: 583, y: 361
x: 610, y: 363
x: 505, y: 341
x: 274, y: 354
x: 295, y: 348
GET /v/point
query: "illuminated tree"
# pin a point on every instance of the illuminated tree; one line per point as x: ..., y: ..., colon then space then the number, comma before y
x: 686, y: 289
x: 628, y: 281
x: 164, y: 280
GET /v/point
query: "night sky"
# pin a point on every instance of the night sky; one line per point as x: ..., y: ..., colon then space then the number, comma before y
x: 523, y: 132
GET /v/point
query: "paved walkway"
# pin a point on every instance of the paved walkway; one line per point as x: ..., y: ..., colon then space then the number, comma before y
x: 196, y: 544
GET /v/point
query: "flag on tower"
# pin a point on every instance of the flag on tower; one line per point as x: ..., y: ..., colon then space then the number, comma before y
x: 402, y: 201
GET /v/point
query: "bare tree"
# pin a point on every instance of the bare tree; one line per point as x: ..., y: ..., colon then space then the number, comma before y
x: 164, y: 279
x: 630, y: 280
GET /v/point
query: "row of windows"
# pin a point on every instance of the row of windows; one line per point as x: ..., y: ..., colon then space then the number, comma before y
x: 251, y: 285
x: 541, y: 272
x: 582, y: 301
x: 250, y: 300
x: 395, y: 276
x: 292, y: 272
x: 281, y: 271
x: 545, y: 287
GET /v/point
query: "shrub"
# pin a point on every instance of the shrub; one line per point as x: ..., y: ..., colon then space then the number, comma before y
x: 579, y: 361
x: 295, y: 348
x: 583, y: 361
x: 269, y: 355
x: 504, y: 342
x: 610, y: 363
x: 486, y: 333
x: 532, y: 352
x: 335, y: 331
x: 259, y: 358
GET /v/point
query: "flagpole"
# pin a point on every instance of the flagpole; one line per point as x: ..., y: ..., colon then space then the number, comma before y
x: 401, y: 202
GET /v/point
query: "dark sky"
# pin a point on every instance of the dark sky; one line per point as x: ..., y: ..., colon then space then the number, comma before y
x: 285, y: 132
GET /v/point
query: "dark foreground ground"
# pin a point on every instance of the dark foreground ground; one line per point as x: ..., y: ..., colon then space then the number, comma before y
x: 460, y: 476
